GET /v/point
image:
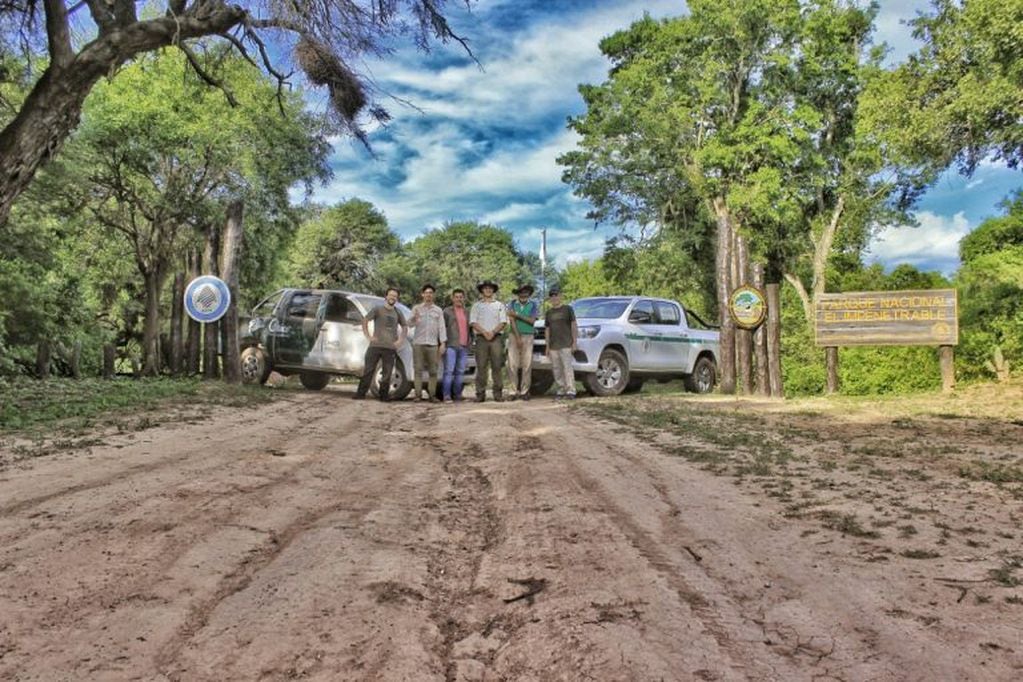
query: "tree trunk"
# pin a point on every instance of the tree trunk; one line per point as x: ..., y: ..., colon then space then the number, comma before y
x: 723, y: 265
x: 774, y: 339
x: 743, y: 337
x: 76, y: 360
x: 151, y: 329
x: 53, y: 107
x: 211, y: 330
x: 230, y: 254
x: 760, y: 340
x: 177, y: 350
x: 43, y: 360
x: 194, y: 346
x: 109, y: 354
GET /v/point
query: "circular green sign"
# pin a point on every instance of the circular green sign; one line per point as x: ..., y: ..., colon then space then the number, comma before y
x: 748, y: 307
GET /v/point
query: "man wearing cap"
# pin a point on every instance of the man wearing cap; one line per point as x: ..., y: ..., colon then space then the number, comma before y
x: 428, y: 341
x: 522, y: 314
x: 562, y: 334
x: 488, y: 318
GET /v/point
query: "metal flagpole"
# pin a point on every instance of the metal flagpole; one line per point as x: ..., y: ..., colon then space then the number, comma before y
x: 543, y: 266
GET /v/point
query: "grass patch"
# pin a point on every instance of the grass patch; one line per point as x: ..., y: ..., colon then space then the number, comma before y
x: 993, y: 473
x: 846, y: 524
x: 1006, y: 573
x: 919, y: 554
x: 30, y: 405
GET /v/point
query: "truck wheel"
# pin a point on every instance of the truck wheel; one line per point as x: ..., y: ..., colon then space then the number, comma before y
x: 255, y: 366
x: 540, y: 383
x: 612, y: 375
x: 314, y: 381
x: 703, y: 378
x: 401, y: 383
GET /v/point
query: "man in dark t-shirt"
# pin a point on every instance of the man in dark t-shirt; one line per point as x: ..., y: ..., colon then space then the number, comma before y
x: 384, y: 343
x: 562, y: 334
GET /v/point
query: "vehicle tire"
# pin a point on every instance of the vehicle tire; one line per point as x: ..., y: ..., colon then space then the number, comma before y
x: 540, y: 383
x: 703, y: 378
x: 634, y: 385
x: 255, y: 366
x: 401, y: 383
x: 314, y: 381
x: 612, y: 375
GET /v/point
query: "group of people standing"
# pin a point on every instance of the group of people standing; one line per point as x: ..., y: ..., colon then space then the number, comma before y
x: 449, y: 333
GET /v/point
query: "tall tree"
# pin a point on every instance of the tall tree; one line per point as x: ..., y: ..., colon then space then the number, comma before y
x: 742, y: 116
x: 159, y: 154
x: 959, y: 99
x: 341, y: 247
x: 459, y: 255
x: 325, y: 39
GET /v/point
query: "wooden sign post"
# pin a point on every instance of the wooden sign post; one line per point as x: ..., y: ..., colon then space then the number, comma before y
x: 888, y: 318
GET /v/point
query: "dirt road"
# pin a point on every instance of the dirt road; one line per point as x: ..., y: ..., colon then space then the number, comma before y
x: 323, y: 538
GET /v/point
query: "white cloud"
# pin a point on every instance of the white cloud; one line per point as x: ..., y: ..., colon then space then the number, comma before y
x: 934, y: 245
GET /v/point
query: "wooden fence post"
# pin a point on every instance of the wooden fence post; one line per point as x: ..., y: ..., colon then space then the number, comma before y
x: 831, y: 356
x: 946, y: 356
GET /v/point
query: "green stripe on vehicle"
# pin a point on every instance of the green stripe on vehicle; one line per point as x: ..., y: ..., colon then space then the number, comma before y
x: 669, y: 339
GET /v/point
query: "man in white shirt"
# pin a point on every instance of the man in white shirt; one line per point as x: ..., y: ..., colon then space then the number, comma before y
x: 488, y: 318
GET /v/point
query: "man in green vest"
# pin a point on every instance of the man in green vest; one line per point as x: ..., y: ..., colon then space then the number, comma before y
x: 522, y: 314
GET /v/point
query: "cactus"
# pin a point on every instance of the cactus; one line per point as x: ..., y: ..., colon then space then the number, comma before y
x: 998, y: 365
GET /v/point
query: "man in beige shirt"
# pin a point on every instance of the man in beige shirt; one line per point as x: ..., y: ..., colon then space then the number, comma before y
x: 428, y: 339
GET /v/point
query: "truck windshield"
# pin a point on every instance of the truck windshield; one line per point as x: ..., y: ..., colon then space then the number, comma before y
x: 600, y: 308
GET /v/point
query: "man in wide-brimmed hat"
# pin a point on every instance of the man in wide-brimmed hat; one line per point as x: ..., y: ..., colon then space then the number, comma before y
x: 488, y: 319
x: 522, y: 314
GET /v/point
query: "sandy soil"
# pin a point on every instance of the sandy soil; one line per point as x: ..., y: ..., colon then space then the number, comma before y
x: 323, y: 538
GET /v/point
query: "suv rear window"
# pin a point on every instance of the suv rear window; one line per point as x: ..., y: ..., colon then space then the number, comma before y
x: 667, y: 313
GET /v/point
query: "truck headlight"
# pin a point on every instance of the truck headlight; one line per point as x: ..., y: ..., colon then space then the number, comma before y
x: 588, y: 332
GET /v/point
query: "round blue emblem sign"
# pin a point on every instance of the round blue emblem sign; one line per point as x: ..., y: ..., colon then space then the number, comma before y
x: 207, y: 298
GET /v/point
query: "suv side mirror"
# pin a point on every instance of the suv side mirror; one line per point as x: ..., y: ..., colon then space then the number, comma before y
x: 640, y: 317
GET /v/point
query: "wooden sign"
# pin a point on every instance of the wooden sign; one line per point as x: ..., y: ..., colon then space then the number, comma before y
x: 887, y: 318
x: 748, y: 307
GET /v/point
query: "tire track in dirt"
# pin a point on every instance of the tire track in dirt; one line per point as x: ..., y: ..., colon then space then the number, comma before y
x: 200, y: 514
x: 277, y: 437
x: 678, y: 565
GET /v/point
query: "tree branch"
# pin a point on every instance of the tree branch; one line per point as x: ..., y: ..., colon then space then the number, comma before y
x: 207, y: 76
x: 822, y: 248
x: 797, y: 284
x: 58, y: 33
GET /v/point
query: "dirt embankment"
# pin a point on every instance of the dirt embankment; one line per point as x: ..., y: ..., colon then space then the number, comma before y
x: 324, y: 538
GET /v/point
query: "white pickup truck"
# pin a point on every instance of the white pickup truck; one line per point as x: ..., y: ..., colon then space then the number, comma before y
x: 625, y: 340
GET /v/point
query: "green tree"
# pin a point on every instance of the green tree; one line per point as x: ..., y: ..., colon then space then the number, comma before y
x: 990, y: 284
x: 341, y: 247
x: 737, y: 125
x: 159, y: 155
x: 326, y: 39
x: 959, y: 99
x: 458, y: 256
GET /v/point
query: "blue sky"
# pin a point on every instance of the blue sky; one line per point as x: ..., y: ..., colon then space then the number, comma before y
x: 480, y: 144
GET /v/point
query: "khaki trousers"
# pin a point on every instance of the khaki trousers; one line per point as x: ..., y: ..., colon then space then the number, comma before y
x: 520, y: 357
x: 564, y: 373
x: 489, y: 355
x: 425, y: 357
